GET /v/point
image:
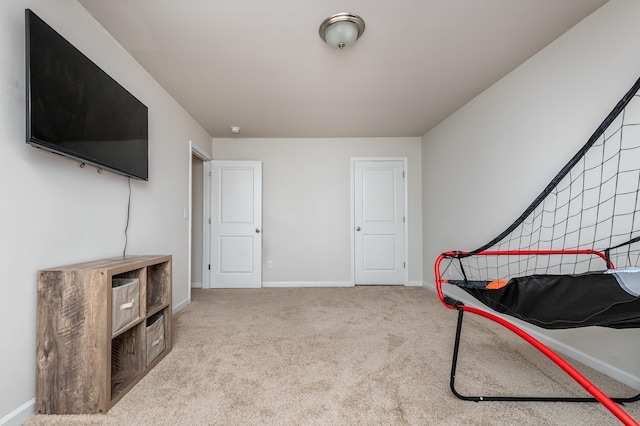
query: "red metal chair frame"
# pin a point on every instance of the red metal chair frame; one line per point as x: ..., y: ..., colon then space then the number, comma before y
x: 449, y: 302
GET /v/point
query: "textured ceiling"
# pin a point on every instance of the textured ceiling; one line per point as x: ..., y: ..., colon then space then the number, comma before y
x: 261, y: 65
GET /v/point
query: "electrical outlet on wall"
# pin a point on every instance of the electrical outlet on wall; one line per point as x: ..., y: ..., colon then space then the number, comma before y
x: 269, y: 264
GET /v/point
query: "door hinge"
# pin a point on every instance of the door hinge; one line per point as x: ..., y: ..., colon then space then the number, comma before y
x: 403, y: 174
x: 209, y: 174
x: 209, y: 266
x: 403, y: 219
x: 209, y: 221
x: 404, y: 265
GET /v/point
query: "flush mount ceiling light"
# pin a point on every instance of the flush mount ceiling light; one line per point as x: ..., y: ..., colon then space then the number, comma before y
x: 341, y: 30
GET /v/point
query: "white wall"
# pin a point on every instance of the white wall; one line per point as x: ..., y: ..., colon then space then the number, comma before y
x: 54, y: 213
x: 306, y: 203
x: 487, y: 162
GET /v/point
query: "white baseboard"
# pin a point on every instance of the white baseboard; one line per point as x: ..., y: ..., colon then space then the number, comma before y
x: 597, y: 364
x: 307, y: 284
x: 196, y: 285
x: 323, y: 284
x: 20, y: 414
x: 180, y: 306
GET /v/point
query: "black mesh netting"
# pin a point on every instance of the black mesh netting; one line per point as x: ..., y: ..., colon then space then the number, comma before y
x: 592, y: 204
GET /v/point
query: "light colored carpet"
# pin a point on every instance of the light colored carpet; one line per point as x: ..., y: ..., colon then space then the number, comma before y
x: 342, y: 356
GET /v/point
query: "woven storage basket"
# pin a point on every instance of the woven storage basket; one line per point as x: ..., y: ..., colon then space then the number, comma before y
x: 125, y: 302
x: 155, y: 337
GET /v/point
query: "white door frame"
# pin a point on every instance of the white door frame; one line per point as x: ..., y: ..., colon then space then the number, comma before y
x: 206, y: 224
x: 406, y: 214
x: 206, y: 202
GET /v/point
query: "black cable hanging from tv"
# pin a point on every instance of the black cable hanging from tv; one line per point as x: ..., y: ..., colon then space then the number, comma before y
x: 126, y: 227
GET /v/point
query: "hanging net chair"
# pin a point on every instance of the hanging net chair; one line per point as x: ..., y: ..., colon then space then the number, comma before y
x: 572, y: 259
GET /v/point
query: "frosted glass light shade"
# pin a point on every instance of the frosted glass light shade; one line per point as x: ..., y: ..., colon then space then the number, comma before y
x: 341, y: 34
x: 341, y: 30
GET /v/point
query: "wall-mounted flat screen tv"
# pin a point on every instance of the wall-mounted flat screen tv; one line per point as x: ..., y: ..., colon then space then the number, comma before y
x: 75, y: 109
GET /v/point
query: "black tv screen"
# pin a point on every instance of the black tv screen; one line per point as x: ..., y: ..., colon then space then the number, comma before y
x: 75, y: 109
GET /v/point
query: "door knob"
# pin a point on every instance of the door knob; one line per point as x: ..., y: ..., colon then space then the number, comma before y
x: 257, y: 230
x: 358, y: 228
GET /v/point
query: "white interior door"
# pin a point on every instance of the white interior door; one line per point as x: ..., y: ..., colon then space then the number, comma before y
x: 379, y: 230
x: 236, y: 224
